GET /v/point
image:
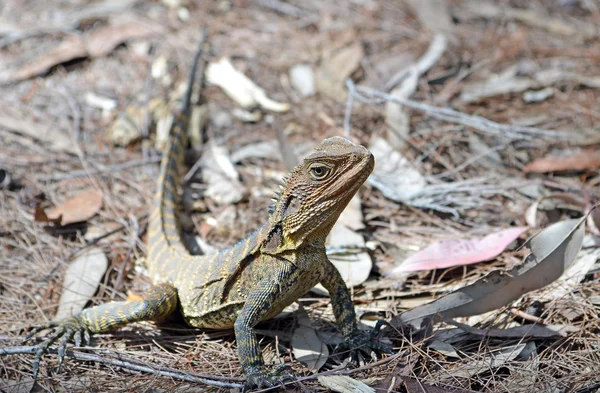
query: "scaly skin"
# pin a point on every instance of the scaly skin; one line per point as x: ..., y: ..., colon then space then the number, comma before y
x: 256, y: 278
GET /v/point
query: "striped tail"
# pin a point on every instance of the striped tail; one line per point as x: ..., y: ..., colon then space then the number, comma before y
x: 164, y: 230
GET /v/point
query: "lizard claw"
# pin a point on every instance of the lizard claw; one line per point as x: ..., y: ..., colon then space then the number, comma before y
x: 265, y: 379
x: 362, y: 344
x: 65, y: 330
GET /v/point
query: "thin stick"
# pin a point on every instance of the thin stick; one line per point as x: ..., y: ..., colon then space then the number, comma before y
x: 148, y: 368
x: 450, y: 115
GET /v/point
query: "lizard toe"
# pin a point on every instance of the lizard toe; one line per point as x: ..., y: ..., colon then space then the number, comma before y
x: 268, y: 379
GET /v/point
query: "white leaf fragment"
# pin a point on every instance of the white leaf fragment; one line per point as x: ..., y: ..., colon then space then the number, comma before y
x: 239, y: 87
x: 394, y: 175
x: 344, y: 384
x: 81, y: 281
x: 303, y: 79
x: 307, y: 347
x: 221, y: 176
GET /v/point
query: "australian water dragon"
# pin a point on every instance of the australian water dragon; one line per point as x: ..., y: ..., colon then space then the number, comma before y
x: 257, y: 277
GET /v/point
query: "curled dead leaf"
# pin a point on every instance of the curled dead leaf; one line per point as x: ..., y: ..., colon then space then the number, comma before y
x: 578, y: 161
x: 79, y: 208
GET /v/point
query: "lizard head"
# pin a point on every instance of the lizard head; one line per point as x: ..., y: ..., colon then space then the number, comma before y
x: 318, y: 190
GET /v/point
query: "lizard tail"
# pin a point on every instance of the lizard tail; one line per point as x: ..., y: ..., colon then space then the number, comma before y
x: 164, y: 230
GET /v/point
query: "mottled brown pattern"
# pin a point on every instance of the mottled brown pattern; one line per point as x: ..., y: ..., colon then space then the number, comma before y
x: 257, y: 277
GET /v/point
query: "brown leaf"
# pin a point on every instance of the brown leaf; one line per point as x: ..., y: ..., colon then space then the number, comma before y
x: 79, y: 208
x: 102, y: 41
x: 98, y: 43
x: 40, y: 215
x: 579, y: 161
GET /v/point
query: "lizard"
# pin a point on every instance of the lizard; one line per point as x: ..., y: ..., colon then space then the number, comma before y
x: 255, y: 279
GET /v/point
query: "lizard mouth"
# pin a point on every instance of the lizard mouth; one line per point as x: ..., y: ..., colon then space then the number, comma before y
x: 354, y: 178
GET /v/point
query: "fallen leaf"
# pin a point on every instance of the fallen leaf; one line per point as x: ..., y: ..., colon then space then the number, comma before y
x: 443, y: 348
x: 336, y: 68
x: 549, y: 205
x: 97, y: 43
x: 81, y: 207
x: 534, y: 96
x: 302, y: 78
x: 81, y: 281
x: 239, y: 87
x: 490, y: 361
x: 264, y: 149
x: 578, y: 161
x: 344, y: 384
x: 307, y: 347
x: 354, y: 266
x: 394, y: 175
x: 223, y: 181
x: 535, y: 331
x: 553, y: 250
x: 433, y: 15
x: 573, y: 275
x: 458, y: 252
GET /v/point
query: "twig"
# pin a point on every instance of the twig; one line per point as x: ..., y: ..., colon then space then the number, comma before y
x: 450, y: 115
x: 109, y: 168
x: 351, y: 93
x: 147, y: 368
x: 284, y: 8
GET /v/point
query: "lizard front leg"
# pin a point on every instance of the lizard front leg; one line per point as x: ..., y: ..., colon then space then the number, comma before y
x: 355, y: 340
x: 258, y: 304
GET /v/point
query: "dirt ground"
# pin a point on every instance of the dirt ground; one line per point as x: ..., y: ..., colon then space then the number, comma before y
x: 497, y: 129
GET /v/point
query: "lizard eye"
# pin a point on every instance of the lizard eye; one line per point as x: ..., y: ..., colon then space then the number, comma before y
x: 319, y: 171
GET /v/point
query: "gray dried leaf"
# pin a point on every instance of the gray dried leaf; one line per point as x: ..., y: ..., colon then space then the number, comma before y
x: 307, y: 347
x: 81, y: 281
x: 344, y: 384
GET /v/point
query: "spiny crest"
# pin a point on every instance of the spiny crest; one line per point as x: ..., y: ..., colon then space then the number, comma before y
x: 277, y: 194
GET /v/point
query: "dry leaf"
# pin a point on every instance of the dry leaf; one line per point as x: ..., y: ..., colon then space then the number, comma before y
x: 335, y: 69
x: 97, y: 43
x: 79, y: 208
x: 302, y: 78
x: 578, y: 161
x: 458, y: 252
x: 535, y: 331
x: 553, y: 250
x: 394, y: 175
x: 221, y: 176
x: 81, y: 281
x: 433, y: 15
x: 344, y: 384
x: 354, y: 266
x: 307, y: 347
x: 573, y: 275
x: 490, y: 361
x: 239, y: 87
